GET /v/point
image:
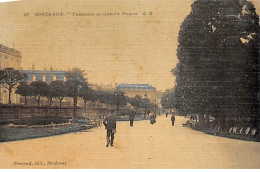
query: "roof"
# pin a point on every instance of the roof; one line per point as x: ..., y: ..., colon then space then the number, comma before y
x: 10, y: 51
x: 43, y: 72
x: 135, y: 87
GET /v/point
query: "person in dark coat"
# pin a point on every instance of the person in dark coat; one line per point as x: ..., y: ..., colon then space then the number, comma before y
x: 166, y: 115
x: 131, y: 118
x: 110, y: 125
x: 173, y: 119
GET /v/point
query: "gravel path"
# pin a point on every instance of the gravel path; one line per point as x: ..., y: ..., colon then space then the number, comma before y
x: 142, y: 146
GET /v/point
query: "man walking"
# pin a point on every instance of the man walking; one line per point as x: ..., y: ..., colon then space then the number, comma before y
x: 173, y: 119
x: 110, y: 124
x: 132, y: 117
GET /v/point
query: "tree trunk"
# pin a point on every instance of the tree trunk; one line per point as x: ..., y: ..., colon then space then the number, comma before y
x: 25, y: 100
x: 207, y: 120
x: 221, y: 121
x: 117, y: 111
x: 50, y: 101
x: 9, y: 95
x: 75, y: 102
x: 60, y: 101
x: 201, y: 118
x: 38, y: 100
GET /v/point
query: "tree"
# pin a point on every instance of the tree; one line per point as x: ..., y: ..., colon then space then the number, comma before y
x: 168, y: 99
x: 24, y: 90
x: 75, y: 80
x: 87, y: 94
x: 105, y: 97
x: 146, y: 104
x: 136, y: 101
x: 119, y: 99
x: 218, y: 55
x: 9, y: 79
x: 59, y: 90
x: 50, y: 94
x: 1, y: 76
x: 39, y: 88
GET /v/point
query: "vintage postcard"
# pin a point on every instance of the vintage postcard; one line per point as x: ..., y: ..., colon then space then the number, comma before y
x: 130, y: 84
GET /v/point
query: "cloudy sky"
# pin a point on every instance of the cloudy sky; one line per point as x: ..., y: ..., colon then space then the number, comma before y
x: 111, y: 49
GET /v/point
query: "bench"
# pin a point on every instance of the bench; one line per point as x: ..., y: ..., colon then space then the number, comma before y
x: 84, y: 125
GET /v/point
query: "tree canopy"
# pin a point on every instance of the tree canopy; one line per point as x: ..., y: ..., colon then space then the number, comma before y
x: 218, y: 54
x: 9, y: 78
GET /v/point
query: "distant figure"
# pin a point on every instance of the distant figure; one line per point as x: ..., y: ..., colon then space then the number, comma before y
x: 166, y: 115
x: 173, y: 119
x: 110, y: 124
x: 152, y: 117
x: 132, y: 118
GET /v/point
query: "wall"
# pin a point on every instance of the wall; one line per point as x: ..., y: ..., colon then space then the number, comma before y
x: 19, y: 112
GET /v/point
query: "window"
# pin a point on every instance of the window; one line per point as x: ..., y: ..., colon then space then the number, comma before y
x: 54, y: 77
x: 43, y: 77
x: 33, y: 78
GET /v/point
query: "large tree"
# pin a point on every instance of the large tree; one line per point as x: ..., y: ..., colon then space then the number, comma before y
x: 88, y: 94
x: 218, y: 55
x: 168, y: 99
x: 24, y: 90
x: 39, y: 89
x: 146, y: 104
x: 9, y: 79
x: 59, y: 90
x: 136, y: 101
x: 119, y: 99
x: 75, y: 81
x: 105, y: 97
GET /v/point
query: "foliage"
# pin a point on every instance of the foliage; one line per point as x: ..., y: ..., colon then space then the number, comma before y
x: 218, y: 55
x: 136, y: 101
x: 88, y: 94
x: 41, y: 120
x: 59, y: 90
x: 24, y: 90
x: 10, y: 78
x: 75, y: 79
x: 39, y: 88
x: 119, y: 98
x: 168, y: 99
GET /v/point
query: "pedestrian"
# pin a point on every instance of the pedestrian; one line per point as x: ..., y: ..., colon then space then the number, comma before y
x: 132, y: 117
x: 166, y: 115
x: 173, y: 119
x: 110, y: 125
x: 150, y: 117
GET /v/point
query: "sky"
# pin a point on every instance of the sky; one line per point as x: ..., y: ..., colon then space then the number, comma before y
x: 111, y: 49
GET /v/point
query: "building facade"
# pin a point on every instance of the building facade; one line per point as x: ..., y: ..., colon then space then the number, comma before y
x: 44, y: 75
x: 143, y: 90
x: 9, y: 58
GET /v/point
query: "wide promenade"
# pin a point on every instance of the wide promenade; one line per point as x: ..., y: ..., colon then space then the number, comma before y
x: 142, y: 146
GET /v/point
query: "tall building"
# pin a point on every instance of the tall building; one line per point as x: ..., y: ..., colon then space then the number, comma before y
x: 9, y: 58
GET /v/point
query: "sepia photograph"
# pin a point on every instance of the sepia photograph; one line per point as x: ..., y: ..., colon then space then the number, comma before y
x: 129, y: 84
